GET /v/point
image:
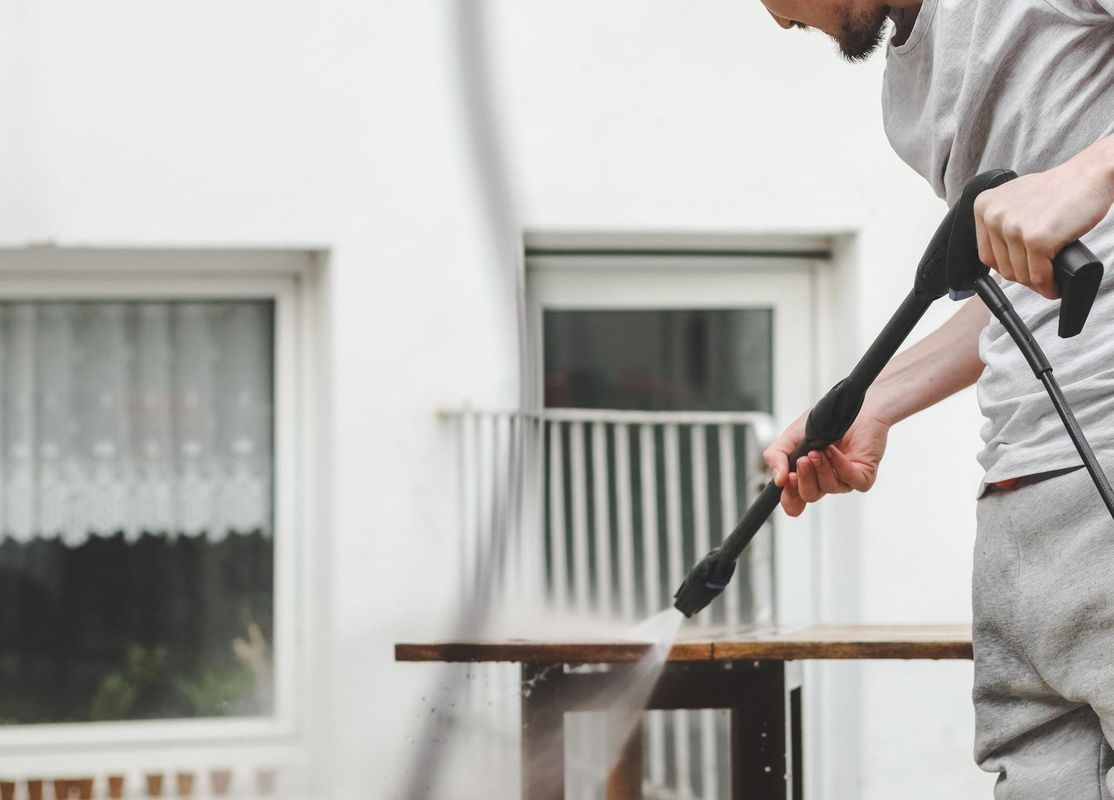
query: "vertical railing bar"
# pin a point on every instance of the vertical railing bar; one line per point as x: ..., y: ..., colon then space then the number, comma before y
x: 464, y: 488
x: 529, y: 566
x: 557, y: 517
x: 528, y: 537
x: 760, y: 557
x: 601, y: 479
x: 675, y: 571
x: 601, y: 540
x: 513, y: 575
x: 526, y: 532
x: 698, y: 453
x: 675, y: 552
x: 486, y: 673
x: 539, y: 553
x: 499, y: 506
x: 466, y: 460
x: 483, y: 423
x: 523, y: 532
x: 581, y: 579
x: 652, y: 580
x: 482, y: 515
x: 730, y: 505
x: 624, y: 520
x: 651, y: 564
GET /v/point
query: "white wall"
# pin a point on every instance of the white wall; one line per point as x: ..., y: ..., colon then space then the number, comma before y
x: 335, y: 125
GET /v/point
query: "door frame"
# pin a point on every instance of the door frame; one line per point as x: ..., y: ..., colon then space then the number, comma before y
x: 658, y: 278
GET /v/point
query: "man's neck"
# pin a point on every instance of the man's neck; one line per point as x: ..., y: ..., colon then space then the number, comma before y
x: 904, y: 18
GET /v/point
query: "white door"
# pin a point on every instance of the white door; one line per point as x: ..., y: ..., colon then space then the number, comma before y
x: 783, y: 287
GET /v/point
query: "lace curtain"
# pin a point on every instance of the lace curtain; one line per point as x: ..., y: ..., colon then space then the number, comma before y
x: 135, y: 417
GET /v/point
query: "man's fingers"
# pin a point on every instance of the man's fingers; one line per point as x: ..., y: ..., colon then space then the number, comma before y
x: 818, y: 474
x: 1041, y: 275
x: 825, y: 475
x: 848, y: 471
x: 807, y: 486
x: 790, y: 500
x: 778, y: 462
x: 986, y: 252
x: 1001, y: 256
x: 1019, y: 260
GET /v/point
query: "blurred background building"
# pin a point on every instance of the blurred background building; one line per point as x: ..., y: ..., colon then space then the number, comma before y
x: 244, y: 273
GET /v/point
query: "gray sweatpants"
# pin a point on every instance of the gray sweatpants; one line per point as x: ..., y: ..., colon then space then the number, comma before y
x: 1043, y: 601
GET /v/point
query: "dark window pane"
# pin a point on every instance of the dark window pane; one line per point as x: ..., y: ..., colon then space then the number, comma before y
x: 136, y: 510
x: 683, y: 360
x: 659, y: 360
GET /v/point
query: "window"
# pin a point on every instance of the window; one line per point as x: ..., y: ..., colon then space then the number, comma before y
x: 664, y: 359
x: 136, y: 509
x: 150, y: 501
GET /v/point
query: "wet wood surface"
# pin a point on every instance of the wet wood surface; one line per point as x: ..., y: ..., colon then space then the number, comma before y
x: 823, y: 642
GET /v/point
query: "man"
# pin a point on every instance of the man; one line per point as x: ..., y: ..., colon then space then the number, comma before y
x: 972, y: 85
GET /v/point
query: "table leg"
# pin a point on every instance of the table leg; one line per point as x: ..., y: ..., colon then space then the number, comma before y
x: 625, y: 780
x: 759, y: 767
x: 543, y: 734
x: 796, y: 735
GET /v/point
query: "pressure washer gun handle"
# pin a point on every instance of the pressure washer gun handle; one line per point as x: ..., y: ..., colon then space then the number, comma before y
x: 1075, y: 269
x: 1078, y: 275
x: 829, y: 419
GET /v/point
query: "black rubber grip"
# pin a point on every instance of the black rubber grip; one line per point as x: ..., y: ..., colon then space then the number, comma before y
x: 1078, y: 275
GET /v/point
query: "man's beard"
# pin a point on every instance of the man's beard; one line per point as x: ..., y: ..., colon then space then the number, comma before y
x: 862, y: 33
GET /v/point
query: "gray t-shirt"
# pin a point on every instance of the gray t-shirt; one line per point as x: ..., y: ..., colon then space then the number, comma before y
x: 1024, y: 85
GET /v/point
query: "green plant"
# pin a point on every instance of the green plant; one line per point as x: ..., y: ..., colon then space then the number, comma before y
x: 219, y: 691
x: 117, y: 693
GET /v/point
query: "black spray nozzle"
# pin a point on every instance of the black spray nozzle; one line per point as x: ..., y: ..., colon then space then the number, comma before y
x: 704, y: 583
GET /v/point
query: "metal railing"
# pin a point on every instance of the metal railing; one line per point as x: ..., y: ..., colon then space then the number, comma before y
x: 614, y: 508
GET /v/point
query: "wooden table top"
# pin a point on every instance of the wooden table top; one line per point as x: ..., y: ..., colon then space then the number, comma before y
x: 827, y: 642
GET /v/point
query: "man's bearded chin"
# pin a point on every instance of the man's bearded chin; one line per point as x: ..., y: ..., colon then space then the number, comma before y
x: 862, y: 32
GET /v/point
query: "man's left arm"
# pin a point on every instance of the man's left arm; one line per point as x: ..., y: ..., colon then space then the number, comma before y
x: 1022, y: 225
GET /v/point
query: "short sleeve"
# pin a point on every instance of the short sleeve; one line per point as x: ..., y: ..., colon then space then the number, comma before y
x: 1090, y: 12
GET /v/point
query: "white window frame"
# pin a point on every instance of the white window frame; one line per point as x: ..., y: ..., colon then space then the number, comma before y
x: 290, y: 279
x: 676, y: 274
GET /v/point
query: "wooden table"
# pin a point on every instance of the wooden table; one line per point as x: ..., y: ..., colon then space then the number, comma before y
x: 752, y: 672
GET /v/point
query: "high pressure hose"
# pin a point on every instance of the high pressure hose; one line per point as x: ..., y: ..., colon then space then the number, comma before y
x: 996, y: 301
x: 469, y: 43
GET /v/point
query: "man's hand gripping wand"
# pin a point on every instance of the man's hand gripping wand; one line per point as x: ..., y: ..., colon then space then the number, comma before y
x: 950, y: 266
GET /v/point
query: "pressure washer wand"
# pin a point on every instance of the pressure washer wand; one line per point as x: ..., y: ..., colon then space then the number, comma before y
x: 828, y: 421
x: 949, y: 266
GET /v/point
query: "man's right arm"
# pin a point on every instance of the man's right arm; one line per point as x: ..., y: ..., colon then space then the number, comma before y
x: 936, y: 367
